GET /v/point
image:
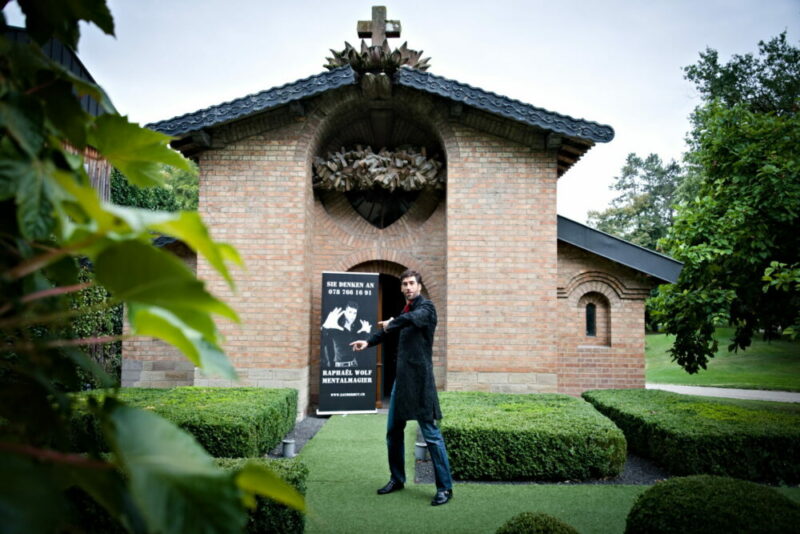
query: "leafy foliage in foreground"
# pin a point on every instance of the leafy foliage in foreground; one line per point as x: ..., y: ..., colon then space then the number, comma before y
x: 269, y: 515
x: 535, y: 523
x: 266, y: 516
x: 157, y: 478
x: 753, y: 440
x: 227, y: 422
x: 711, y: 505
x: 492, y: 436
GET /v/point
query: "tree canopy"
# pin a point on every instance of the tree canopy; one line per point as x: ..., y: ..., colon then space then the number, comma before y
x: 51, y: 217
x: 179, y: 190
x: 643, y: 211
x: 738, y: 236
x: 767, y: 83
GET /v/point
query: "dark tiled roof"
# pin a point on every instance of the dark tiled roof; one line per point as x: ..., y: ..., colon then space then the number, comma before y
x: 423, y: 81
x: 503, y: 106
x: 618, y: 250
x: 67, y: 58
x: 248, y: 105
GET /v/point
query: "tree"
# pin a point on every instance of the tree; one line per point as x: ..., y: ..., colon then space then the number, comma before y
x: 184, y: 185
x: 179, y: 190
x: 157, y: 478
x: 124, y: 193
x: 644, y: 209
x: 741, y: 228
x: 766, y: 84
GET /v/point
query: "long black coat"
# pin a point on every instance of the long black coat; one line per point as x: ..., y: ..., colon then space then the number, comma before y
x: 415, y: 387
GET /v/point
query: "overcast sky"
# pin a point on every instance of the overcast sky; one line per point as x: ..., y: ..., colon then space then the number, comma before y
x: 613, y: 62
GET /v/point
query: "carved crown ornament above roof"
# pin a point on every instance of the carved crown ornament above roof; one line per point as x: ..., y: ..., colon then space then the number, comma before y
x: 379, y: 57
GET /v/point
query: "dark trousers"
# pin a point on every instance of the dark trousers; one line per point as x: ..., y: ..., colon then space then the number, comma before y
x: 395, y: 430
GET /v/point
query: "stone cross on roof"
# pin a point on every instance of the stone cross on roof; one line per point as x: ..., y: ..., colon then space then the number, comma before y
x: 378, y: 28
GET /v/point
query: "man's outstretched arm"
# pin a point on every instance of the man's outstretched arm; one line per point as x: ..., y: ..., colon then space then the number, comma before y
x: 359, y: 345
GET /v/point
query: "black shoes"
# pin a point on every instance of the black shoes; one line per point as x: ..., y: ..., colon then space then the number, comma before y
x: 393, y: 485
x: 442, y: 497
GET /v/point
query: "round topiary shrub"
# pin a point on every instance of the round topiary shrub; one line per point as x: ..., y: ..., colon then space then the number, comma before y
x: 535, y: 523
x: 711, y: 504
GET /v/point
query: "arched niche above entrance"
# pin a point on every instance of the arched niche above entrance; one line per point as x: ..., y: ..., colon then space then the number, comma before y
x: 383, y: 158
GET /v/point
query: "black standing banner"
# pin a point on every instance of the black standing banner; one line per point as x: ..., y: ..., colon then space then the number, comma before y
x: 349, y: 313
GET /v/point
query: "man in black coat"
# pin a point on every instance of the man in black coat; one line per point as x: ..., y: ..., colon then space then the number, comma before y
x: 414, y: 392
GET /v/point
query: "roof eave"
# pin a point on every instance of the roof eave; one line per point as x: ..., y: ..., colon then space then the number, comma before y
x: 650, y: 262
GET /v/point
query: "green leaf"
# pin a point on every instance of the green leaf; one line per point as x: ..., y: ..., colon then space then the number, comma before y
x: 45, y: 19
x: 63, y: 109
x: 229, y: 253
x: 35, y: 211
x: 63, y: 272
x: 109, y: 489
x: 90, y: 366
x: 169, y: 327
x: 175, y: 483
x: 138, y: 272
x: 258, y: 479
x: 26, y: 487
x: 116, y: 222
x: 189, y: 228
x: 134, y: 150
x: 85, y: 88
x: 11, y: 172
x: 22, y: 119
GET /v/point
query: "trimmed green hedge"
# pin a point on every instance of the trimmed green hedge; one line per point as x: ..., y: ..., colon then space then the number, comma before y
x: 227, y: 422
x: 493, y: 436
x: 687, y: 435
x: 268, y: 516
x: 705, y: 504
x: 535, y: 523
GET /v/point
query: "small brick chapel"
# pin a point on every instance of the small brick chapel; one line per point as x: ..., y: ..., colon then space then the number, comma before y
x: 377, y: 165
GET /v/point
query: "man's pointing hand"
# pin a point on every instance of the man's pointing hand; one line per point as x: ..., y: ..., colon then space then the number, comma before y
x: 359, y: 345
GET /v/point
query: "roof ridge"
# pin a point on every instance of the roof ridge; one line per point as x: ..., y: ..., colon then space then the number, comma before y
x: 213, y: 109
x: 497, y: 95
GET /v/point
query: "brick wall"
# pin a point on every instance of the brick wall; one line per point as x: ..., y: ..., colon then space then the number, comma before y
x: 253, y: 195
x: 615, y: 357
x: 151, y: 363
x: 511, y: 299
x: 501, y: 265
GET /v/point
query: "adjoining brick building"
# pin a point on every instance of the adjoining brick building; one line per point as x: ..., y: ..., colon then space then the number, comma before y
x: 528, y: 301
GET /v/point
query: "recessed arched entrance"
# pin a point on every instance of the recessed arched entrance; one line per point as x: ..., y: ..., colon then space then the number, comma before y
x: 390, y: 304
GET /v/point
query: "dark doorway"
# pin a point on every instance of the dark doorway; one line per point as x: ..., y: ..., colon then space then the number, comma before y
x: 391, y: 305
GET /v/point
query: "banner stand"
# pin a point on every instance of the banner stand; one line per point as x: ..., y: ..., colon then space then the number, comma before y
x: 349, y: 313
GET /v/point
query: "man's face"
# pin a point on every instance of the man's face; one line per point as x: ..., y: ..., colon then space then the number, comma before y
x: 350, y: 314
x: 410, y: 287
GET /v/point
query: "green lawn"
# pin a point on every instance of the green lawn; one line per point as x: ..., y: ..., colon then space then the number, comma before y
x: 347, y: 463
x: 774, y: 365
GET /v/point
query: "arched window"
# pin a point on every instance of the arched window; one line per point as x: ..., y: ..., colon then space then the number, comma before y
x: 591, y: 320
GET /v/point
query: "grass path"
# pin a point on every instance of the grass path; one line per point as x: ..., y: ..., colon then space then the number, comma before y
x: 774, y: 365
x: 347, y: 463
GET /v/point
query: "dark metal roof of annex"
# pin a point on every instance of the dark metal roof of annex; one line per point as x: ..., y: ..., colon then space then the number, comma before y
x: 343, y: 76
x: 618, y: 250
